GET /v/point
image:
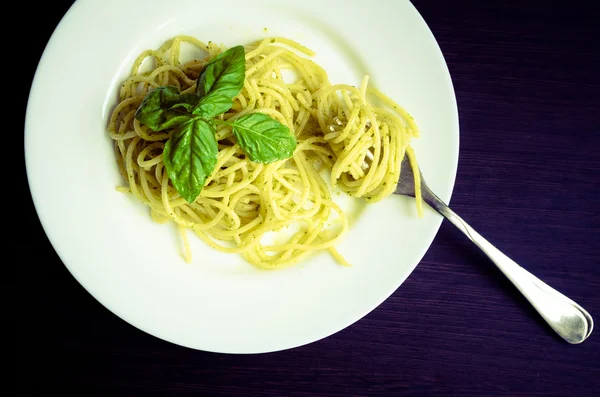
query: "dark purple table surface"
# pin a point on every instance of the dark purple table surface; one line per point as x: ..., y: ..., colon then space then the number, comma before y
x: 527, y: 81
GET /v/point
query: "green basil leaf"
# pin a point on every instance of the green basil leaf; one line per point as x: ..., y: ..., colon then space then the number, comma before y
x: 224, y: 74
x: 186, y: 101
x: 263, y: 138
x: 212, y: 105
x: 160, y: 109
x: 190, y: 156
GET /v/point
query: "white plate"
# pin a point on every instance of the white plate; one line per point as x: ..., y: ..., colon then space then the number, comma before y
x: 219, y: 303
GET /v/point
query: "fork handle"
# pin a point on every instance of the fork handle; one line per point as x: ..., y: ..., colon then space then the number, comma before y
x: 567, y: 318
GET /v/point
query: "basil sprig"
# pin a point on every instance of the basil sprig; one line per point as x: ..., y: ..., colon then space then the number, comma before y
x: 190, y: 153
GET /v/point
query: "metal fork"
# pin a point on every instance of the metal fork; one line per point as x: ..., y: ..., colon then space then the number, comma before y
x: 567, y: 318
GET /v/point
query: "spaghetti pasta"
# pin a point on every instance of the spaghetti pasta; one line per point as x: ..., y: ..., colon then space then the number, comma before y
x: 243, y: 203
